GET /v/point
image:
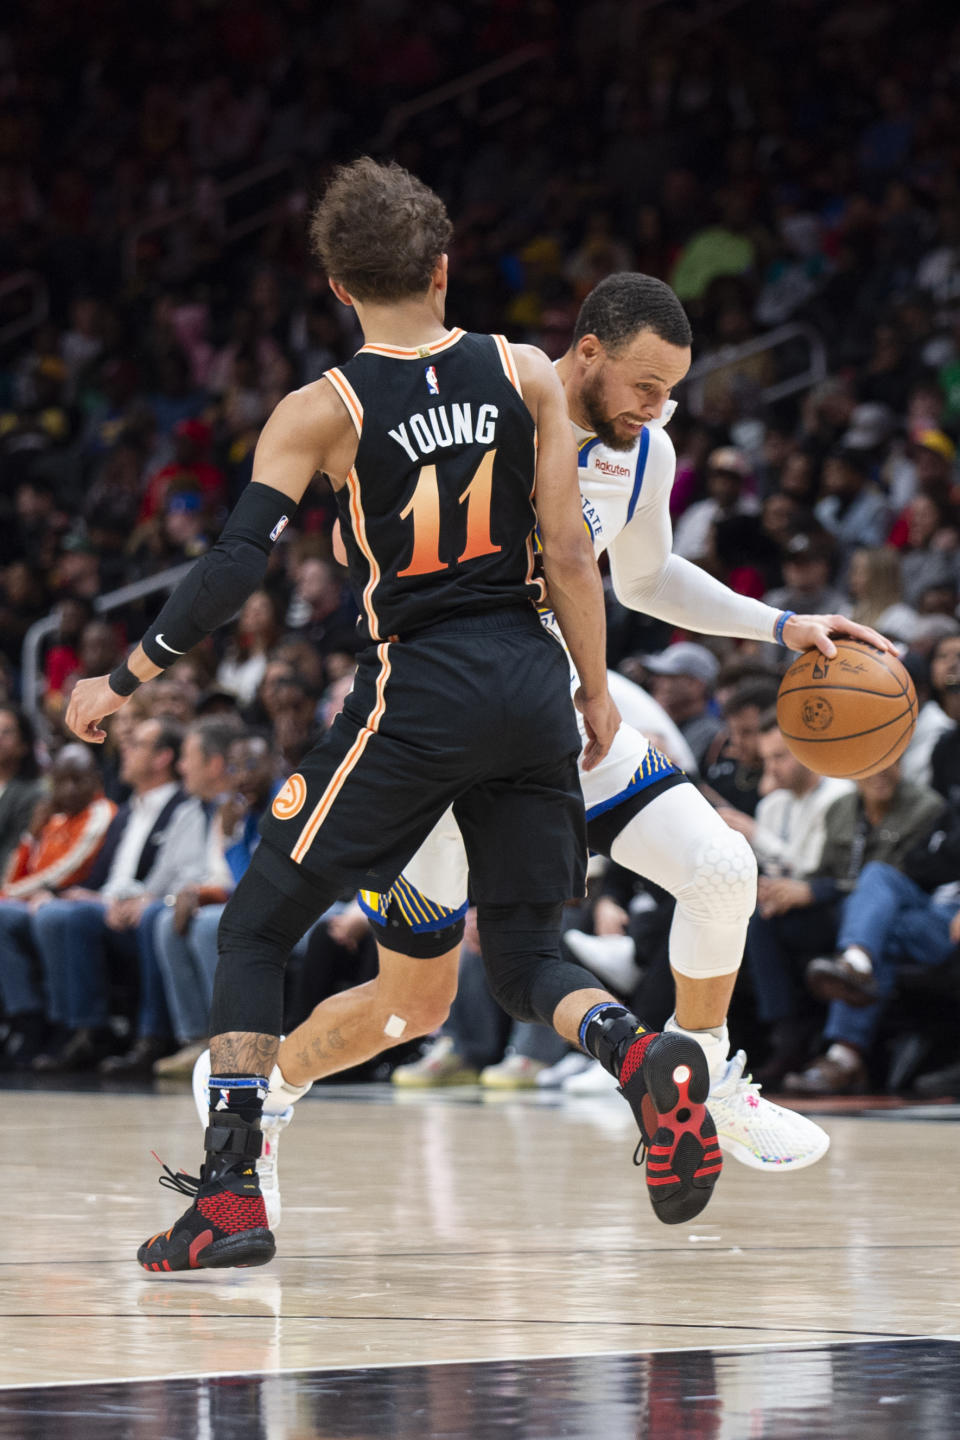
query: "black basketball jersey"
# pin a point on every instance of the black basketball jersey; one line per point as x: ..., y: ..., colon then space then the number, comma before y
x: 437, y: 512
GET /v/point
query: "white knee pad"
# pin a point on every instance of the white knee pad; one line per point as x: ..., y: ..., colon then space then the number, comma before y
x: 710, y: 925
x: 680, y: 842
x: 723, y: 881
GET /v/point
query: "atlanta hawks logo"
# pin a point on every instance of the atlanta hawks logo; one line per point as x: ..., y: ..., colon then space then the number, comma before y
x: 817, y: 713
x: 290, y: 798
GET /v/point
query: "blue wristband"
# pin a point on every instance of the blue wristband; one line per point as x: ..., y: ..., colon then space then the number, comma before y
x: 785, y: 615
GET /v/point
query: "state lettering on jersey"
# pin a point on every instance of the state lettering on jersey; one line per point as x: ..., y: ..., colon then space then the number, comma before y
x: 594, y: 523
x: 444, y: 427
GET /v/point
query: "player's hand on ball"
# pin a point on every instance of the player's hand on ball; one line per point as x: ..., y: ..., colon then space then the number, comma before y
x: 803, y: 632
x: 90, y: 702
x: 601, y: 720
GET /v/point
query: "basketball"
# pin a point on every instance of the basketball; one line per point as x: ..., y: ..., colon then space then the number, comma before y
x: 850, y: 716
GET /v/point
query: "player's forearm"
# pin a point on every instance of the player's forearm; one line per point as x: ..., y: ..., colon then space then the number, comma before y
x: 576, y: 598
x: 687, y: 597
x: 215, y: 588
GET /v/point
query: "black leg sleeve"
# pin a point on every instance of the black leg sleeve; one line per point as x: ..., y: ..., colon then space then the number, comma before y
x: 274, y: 905
x: 521, y: 952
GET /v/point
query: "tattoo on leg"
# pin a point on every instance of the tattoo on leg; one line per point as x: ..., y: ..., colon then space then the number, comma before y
x: 243, y: 1052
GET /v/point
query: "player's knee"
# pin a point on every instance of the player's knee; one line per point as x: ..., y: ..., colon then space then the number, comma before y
x: 722, y: 885
x: 407, y: 1011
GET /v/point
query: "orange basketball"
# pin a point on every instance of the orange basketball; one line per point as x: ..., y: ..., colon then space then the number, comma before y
x: 850, y: 716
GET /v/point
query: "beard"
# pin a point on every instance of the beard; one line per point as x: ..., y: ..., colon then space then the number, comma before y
x: 602, y: 424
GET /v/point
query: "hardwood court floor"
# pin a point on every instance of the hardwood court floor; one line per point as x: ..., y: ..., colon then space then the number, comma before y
x: 447, y: 1227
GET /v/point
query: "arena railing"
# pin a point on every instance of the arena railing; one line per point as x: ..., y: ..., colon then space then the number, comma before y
x: 218, y: 196
x: 465, y: 90
x: 37, y: 296
x: 795, y: 335
x: 30, y: 670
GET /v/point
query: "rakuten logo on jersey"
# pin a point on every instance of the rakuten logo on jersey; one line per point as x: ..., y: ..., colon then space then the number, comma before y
x: 606, y: 468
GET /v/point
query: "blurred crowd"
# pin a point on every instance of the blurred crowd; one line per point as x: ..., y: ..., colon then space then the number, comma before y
x: 797, y: 171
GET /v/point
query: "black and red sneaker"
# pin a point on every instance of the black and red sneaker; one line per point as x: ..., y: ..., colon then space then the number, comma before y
x: 226, y: 1225
x: 666, y: 1081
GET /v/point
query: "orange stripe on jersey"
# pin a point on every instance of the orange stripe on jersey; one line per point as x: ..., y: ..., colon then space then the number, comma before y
x: 419, y: 352
x: 508, y: 363
x: 360, y: 535
x: 348, y: 395
x: 531, y: 549
x: 349, y: 762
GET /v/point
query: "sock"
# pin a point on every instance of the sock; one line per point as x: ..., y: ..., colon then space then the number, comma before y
x: 281, y: 1094
x: 715, y: 1044
x: 608, y: 1032
x: 241, y: 1095
x: 858, y: 959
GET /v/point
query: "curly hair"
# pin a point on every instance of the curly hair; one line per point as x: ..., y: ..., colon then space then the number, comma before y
x: 379, y: 231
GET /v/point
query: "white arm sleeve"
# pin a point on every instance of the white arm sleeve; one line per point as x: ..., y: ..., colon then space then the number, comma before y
x: 647, y: 576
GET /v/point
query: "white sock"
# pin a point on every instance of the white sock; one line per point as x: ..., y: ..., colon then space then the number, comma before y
x: 714, y: 1043
x: 281, y: 1095
x: 844, y: 1055
x: 859, y: 959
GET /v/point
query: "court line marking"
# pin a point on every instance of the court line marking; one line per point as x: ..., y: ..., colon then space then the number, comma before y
x: 776, y: 1345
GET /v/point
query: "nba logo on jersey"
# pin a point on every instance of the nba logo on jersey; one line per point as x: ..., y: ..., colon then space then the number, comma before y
x: 433, y: 384
x: 279, y: 528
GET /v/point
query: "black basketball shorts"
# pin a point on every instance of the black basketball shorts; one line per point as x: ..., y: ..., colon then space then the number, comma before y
x: 473, y: 711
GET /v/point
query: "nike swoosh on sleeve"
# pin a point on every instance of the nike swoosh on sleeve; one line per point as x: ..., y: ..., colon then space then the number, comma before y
x: 161, y: 641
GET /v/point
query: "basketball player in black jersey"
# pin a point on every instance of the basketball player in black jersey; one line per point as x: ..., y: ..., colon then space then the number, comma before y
x: 434, y: 441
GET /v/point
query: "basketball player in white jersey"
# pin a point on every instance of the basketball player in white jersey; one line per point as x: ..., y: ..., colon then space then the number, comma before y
x: 631, y: 346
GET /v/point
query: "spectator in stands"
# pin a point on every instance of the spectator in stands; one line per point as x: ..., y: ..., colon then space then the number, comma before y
x: 317, y: 608
x: 875, y: 586
x: 733, y: 769
x: 193, y: 849
x: 191, y: 466
x: 728, y: 472
x: 787, y: 836
x: 294, y: 719
x: 881, y: 820
x: 62, y: 661
x: 20, y: 786
x: 185, y: 930
x: 932, y: 546
x: 255, y: 635
x: 854, y: 509
x: 682, y: 681
x: 75, y: 934
x: 807, y: 562
x: 933, y: 720
x: 66, y: 834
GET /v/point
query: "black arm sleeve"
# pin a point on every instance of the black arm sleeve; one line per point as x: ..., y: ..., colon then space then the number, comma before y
x: 224, y: 578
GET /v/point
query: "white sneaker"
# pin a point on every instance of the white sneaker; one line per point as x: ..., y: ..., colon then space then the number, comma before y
x: 594, y: 1080
x: 569, y: 1065
x: 514, y: 1072
x: 755, y: 1131
x: 271, y: 1127
x: 612, y: 957
x: 438, y: 1065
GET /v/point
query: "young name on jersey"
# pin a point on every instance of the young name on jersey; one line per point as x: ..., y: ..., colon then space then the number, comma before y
x: 445, y: 426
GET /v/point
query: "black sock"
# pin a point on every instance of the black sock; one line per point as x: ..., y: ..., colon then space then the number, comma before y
x: 607, y: 1032
x: 241, y: 1095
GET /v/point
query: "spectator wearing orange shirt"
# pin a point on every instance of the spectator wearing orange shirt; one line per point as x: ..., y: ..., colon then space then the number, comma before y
x: 67, y: 833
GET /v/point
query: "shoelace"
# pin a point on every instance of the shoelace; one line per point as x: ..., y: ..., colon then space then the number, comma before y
x: 737, y: 1079
x: 178, y: 1180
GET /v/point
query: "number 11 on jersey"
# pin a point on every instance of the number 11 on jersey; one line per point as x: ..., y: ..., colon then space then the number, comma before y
x: 424, y: 507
